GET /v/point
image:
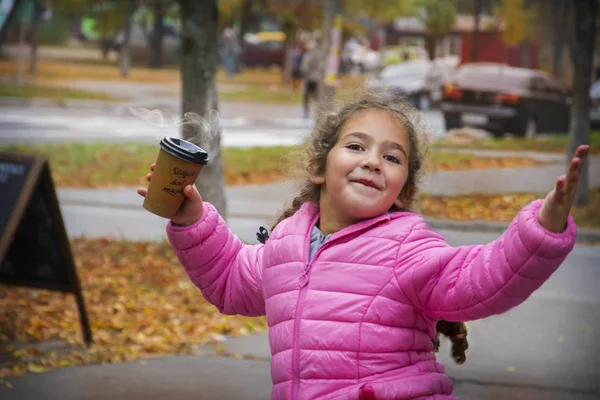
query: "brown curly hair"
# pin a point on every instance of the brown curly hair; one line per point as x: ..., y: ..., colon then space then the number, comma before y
x: 325, y: 135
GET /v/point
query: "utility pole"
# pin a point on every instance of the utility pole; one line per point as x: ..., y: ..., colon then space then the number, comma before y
x: 330, y: 49
x: 125, y: 53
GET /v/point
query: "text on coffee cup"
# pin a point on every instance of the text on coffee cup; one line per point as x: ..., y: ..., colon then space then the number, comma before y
x: 181, y: 173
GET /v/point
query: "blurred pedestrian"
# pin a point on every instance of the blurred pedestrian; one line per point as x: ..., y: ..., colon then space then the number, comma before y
x: 230, y: 51
x: 311, y: 72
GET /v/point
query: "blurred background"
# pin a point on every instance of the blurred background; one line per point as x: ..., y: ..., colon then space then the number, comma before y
x: 504, y: 91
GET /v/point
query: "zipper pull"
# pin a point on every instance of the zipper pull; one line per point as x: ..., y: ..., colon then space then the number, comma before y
x: 303, y: 279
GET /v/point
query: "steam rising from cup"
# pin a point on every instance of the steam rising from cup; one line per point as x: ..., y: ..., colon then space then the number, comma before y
x: 204, y: 129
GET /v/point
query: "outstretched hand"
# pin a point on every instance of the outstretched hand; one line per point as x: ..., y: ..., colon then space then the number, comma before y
x: 557, y: 204
x: 190, y: 210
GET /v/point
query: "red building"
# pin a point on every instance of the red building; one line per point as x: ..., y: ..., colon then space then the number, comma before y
x: 491, y: 48
x: 490, y: 44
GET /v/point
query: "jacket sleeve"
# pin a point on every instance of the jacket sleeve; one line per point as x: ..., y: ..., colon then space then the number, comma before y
x: 227, y: 271
x: 471, y: 282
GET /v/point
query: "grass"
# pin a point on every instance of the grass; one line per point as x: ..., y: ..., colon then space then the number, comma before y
x: 100, y: 70
x: 263, y: 94
x: 109, y: 165
x: 34, y: 91
x: 48, y: 70
x: 106, y: 165
x: 552, y: 144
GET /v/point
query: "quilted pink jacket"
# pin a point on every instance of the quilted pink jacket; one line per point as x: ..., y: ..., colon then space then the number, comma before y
x: 359, y: 318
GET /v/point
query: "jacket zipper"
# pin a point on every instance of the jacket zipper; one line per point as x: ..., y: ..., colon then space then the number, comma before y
x: 303, y: 280
x: 303, y: 283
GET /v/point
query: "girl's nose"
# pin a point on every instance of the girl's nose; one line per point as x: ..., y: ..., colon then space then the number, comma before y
x: 372, y: 162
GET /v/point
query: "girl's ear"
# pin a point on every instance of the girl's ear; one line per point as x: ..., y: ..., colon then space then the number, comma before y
x: 399, y: 204
x: 317, y: 179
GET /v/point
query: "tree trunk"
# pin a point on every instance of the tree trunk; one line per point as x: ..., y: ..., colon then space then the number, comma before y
x: 35, y: 27
x: 105, y: 43
x: 157, y: 35
x: 583, y: 60
x: 431, y: 43
x: 125, y: 53
x: 559, y: 17
x: 199, y: 62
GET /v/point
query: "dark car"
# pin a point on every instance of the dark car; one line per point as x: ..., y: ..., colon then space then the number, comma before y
x: 420, y: 81
x: 264, y: 49
x: 503, y: 99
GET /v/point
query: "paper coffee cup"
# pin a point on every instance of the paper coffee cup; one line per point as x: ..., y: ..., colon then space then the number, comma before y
x: 178, y: 164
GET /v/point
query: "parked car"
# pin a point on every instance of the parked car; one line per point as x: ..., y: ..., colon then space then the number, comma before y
x: 595, y: 111
x: 500, y: 98
x: 420, y: 81
x: 264, y: 49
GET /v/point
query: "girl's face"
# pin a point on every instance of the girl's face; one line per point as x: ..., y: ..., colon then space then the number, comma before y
x: 366, y: 169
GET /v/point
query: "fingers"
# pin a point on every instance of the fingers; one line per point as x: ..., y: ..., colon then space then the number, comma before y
x: 582, y: 151
x: 142, y: 192
x: 560, y: 187
x: 573, y: 173
x: 149, y: 174
x: 192, y: 194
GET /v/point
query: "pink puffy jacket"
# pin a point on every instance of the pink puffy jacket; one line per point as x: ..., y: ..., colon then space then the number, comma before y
x: 358, y: 320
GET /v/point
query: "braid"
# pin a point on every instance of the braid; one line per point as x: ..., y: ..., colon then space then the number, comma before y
x: 457, y: 333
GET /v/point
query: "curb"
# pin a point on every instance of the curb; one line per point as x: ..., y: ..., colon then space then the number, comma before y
x: 584, y: 235
x: 62, y: 103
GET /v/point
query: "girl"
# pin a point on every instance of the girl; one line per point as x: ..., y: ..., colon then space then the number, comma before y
x: 352, y: 283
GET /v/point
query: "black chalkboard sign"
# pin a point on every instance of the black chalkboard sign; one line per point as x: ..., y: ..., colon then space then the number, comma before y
x: 34, y: 246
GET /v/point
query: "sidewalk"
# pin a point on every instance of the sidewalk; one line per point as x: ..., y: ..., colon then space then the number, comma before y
x: 500, y: 366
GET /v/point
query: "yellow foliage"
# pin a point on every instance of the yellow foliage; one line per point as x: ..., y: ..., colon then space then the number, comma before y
x: 517, y: 20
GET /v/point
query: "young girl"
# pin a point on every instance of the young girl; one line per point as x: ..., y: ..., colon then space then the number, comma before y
x: 351, y: 282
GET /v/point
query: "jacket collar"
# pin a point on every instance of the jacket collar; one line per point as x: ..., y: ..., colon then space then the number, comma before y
x: 311, y: 210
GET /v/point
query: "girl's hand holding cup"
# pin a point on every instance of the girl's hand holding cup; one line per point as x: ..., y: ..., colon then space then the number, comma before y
x: 171, y: 193
x: 190, y: 210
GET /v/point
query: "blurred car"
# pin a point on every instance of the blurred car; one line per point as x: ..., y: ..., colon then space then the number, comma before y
x: 500, y: 98
x: 420, y: 81
x: 264, y: 49
x: 595, y: 111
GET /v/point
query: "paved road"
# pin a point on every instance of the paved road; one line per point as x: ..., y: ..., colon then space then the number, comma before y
x: 267, y: 127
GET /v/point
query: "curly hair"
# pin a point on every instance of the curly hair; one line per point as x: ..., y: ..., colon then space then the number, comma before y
x: 323, y: 138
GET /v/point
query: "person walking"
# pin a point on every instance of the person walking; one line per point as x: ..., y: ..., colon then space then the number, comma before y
x: 312, y: 74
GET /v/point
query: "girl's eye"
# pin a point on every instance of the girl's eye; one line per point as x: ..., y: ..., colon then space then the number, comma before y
x: 355, y: 146
x: 393, y: 159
